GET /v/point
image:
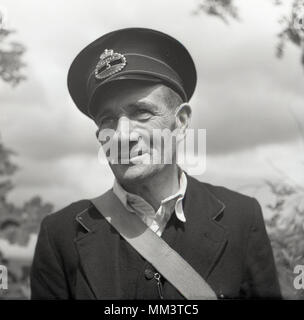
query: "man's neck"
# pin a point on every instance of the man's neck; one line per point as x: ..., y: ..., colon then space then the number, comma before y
x: 160, y: 186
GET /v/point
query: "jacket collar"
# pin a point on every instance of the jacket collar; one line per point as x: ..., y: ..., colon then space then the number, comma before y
x: 90, y: 218
x: 213, y: 206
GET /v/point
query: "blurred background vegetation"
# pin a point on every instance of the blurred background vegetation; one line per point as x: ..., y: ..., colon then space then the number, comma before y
x: 18, y: 223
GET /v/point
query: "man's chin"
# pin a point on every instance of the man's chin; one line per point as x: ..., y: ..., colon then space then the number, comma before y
x: 130, y: 173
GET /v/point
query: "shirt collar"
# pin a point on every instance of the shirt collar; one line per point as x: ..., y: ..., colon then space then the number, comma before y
x: 125, y: 197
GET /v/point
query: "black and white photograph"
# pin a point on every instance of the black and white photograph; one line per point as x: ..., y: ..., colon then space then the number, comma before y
x: 152, y: 150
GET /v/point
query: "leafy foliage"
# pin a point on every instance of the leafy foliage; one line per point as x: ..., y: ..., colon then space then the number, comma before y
x: 16, y: 223
x: 16, y: 226
x: 11, y: 63
x: 286, y: 232
x: 223, y: 9
x: 18, y: 280
x: 291, y: 30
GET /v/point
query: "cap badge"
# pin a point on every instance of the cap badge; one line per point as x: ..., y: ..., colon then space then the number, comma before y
x: 109, y: 63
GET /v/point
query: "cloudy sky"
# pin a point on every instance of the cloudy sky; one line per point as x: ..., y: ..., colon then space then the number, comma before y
x: 246, y: 98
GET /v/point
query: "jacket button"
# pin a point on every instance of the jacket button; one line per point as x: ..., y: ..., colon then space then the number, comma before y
x: 149, y: 274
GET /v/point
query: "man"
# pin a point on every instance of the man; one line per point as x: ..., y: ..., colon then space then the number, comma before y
x: 158, y: 233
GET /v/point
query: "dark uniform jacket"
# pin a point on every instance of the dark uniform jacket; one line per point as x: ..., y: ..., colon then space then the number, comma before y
x: 79, y: 255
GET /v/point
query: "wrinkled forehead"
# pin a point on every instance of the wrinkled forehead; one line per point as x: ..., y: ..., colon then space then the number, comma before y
x: 126, y: 93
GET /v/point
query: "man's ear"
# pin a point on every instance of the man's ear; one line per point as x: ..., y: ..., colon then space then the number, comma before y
x: 183, y: 116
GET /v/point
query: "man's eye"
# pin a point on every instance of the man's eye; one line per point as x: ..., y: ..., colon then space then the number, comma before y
x: 142, y: 114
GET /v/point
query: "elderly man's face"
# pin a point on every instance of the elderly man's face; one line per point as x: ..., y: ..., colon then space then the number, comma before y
x: 133, y: 111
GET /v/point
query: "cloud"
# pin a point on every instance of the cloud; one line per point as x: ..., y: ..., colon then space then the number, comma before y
x: 247, y: 171
x: 61, y: 181
x: 243, y: 120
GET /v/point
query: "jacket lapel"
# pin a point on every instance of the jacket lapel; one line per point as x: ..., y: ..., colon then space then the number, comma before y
x: 205, y: 238
x: 99, y: 247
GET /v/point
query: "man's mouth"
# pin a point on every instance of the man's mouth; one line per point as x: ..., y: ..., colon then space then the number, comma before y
x: 138, y: 159
x: 135, y: 157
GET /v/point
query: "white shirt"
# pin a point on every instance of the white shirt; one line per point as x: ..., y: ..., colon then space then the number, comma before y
x: 156, y: 221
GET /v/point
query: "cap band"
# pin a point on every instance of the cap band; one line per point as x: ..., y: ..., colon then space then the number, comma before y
x: 139, y: 65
